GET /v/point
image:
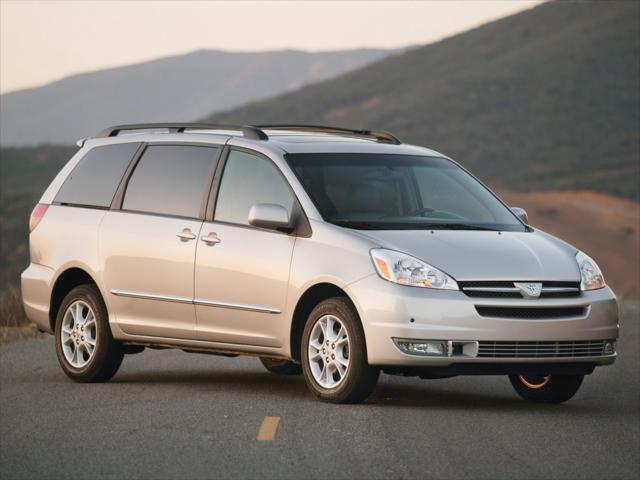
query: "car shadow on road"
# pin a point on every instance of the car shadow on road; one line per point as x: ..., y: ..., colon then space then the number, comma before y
x: 232, y: 380
x: 287, y: 388
x: 428, y: 397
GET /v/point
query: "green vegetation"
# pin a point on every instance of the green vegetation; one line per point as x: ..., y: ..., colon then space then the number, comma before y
x: 24, y: 175
x: 546, y: 99
x: 14, y: 324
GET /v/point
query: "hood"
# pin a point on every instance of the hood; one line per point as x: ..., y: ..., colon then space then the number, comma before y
x: 483, y: 255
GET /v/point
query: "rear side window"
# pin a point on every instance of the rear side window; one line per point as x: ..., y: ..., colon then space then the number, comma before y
x: 247, y: 180
x: 94, y: 180
x: 171, y: 180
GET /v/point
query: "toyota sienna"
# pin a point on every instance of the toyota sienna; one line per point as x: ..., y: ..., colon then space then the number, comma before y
x: 334, y: 253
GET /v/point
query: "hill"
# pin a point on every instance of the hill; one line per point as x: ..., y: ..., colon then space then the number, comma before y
x: 179, y: 88
x: 606, y: 227
x: 545, y: 99
x: 24, y: 175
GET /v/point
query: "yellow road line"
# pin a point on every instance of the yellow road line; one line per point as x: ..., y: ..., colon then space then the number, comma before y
x: 268, y: 429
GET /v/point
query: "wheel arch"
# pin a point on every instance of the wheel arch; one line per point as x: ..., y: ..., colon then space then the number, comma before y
x: 311, y: 297
x: 66, y: 281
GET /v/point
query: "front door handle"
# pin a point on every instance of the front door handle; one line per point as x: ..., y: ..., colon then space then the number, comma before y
x: 186, y: 235
x: 211, y: 239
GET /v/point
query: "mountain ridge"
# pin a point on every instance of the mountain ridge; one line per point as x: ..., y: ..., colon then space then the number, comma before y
x: 174, y: 88
x: 547, y: 98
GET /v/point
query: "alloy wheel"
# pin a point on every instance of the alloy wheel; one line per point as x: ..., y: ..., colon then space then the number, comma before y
x: 78, y: 334
x: 329, y: 351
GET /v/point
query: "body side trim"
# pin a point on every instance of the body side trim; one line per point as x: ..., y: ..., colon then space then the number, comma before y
x: 236, y: 306
x: 151, y: 296
x: 195, y: 301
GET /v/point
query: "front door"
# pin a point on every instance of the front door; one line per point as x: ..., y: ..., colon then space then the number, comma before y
x: 242, y: 271
x: 148, y: 247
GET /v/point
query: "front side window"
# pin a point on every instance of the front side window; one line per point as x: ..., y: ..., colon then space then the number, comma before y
x: 246, y: 181
x: 94, y: 180
x: 387, y: 192
x: 171, y: 180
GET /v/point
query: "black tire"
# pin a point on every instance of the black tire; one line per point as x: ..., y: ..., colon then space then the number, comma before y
x: 280, y: 366
x: 360, y: 378
x: 546, y: 389
x: 107, y: 354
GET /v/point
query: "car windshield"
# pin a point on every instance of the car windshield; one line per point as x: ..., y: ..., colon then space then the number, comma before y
x: 392, y: 192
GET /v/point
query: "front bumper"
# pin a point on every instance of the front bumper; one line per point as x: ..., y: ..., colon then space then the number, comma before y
x: 395, y: 311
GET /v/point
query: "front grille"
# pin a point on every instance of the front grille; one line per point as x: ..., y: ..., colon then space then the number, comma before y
x: 578, y: 348
x: 498, y: 289
x: 531, y: 313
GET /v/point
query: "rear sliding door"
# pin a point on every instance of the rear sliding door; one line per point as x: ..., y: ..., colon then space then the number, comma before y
x: 148, y: 246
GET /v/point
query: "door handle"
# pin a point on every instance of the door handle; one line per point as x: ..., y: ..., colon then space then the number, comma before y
x: 211, y: 239
x: 186, y: 235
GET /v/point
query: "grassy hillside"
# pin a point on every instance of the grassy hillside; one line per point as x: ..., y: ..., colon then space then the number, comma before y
x: 24, y: 175
x: 605, y: 227
x: 546, y: 99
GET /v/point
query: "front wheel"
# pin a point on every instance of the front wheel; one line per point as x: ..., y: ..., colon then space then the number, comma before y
x: 86, y: 350
x: 546, y: 388
x: 334, y: 354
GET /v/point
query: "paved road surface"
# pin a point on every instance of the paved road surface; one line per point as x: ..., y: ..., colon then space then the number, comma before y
x: 173, y: 414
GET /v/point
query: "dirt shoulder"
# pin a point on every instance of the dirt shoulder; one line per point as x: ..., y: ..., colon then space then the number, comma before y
x: 607, y: 228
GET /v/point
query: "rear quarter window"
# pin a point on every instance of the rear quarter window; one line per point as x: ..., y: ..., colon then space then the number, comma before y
x: 94, y: 180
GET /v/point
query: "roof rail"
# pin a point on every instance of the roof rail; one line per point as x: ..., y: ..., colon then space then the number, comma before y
x: 380, y: 136
x: 247, y: 130
x: 251, y: 131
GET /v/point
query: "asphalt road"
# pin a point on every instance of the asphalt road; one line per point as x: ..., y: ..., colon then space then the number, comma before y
x: 169, y: 414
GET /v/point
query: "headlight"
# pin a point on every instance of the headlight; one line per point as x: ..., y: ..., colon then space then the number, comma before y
x: 404, y: 269
x: 592, y: 278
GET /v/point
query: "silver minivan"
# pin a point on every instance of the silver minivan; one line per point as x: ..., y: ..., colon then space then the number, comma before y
x: 334, y: 253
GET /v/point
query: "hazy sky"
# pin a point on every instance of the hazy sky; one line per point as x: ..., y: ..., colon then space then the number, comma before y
x: 43, y: 41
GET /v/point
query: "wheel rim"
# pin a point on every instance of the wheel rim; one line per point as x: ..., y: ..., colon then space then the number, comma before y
x: 329, y: 349
x: 534, y: 381
x: 78, y: 334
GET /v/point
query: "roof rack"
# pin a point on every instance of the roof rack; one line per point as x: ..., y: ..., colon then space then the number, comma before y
x: 247, y: 130
x: 250, y: 131
x: 379, y: 135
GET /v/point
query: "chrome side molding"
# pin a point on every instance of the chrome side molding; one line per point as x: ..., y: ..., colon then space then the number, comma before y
x: 151, y: 296
x: 194, y: 301
x: 236, y: 306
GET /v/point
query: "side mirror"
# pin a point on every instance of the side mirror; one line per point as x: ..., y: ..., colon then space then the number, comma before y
x: 271, y: 216
x: 521, y: 213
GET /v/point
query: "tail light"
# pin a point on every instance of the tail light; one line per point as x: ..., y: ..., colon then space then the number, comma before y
x: 36, y: 215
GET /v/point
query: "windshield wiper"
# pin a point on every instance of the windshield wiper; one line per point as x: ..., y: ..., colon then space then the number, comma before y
x: 410, y: 226
x: 457, y: 226
x: 362, y: 225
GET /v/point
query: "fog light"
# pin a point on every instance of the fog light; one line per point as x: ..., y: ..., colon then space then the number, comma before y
x: 430, y: 348
x: 609, y: 347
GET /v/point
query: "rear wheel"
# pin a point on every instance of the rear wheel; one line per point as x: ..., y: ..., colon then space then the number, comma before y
x: 85, y: 347
x: 334, y: 354
x: 281, y: 367
x: 546, y: 388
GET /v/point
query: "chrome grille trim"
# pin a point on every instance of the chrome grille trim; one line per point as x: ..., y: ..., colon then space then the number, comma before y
x: 490, y: 289
x: 560, y: 289
x: 517, y: 290
x: 497, y: 289
x: 542, y: 349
